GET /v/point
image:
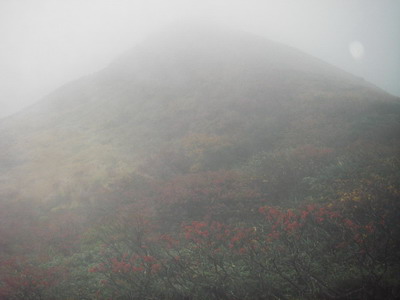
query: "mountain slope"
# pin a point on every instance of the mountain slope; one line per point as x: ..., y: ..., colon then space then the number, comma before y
x: 203, y: 165
x: 226, y: 91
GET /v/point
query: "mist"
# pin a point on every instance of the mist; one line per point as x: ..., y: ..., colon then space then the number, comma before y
x: 44, y: 44
x: 199, y: 150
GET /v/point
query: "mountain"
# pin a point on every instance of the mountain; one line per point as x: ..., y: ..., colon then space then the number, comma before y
x: 247, y: 92
x: 203, y: 164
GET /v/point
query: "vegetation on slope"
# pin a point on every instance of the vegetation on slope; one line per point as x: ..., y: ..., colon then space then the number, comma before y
x: 203, y: 166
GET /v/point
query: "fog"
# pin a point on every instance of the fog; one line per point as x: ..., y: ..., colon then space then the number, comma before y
x: 46, y: 43
x: 187, y: 150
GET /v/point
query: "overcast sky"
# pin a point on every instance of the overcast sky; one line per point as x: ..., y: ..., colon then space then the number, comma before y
x: 46, y: 43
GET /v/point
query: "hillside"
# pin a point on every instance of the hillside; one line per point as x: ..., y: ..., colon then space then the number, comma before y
x: 203, y: 164
x: 248, y: 91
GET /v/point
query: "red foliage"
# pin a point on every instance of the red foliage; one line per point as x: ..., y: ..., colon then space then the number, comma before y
x: 23, y: 279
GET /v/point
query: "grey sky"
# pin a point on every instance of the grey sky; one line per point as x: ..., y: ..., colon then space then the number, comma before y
x: 46, y: 43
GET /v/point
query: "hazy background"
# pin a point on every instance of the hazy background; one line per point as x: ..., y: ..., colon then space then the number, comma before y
x: 46, y: 43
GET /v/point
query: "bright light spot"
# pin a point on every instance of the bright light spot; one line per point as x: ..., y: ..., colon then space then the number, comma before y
x: 356, y: 50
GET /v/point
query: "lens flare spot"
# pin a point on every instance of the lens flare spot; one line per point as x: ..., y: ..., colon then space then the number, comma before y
x: 357, y: 50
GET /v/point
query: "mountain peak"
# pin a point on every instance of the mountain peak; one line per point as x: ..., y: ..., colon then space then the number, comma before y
x: 181, y: 82
x: 199, y: 51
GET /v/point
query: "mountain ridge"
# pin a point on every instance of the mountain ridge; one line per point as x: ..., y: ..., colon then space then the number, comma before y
x: 168, y: 87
